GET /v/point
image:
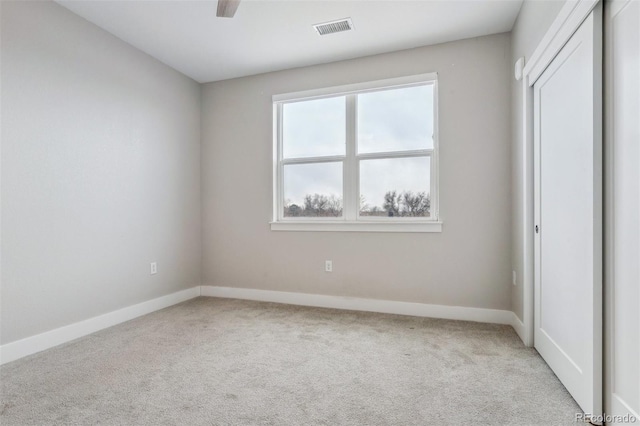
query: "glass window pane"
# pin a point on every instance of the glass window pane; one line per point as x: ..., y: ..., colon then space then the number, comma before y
x: 313, y: 190
x: 396, y: 187
x: 396, y: 120
x: 314, y: 128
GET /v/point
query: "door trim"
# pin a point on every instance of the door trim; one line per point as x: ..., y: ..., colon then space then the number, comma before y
x: 615, y: 404
x: 566, y: 23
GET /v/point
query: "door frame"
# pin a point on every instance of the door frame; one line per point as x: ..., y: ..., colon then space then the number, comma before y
x: 584, y: 382
x: 563, y: 27
x: 615, y: 404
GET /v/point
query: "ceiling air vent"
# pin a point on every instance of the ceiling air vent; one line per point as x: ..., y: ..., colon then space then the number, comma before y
x: 334, y: 26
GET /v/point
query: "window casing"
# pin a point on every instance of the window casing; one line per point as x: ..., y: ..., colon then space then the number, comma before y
x: 354, y: 154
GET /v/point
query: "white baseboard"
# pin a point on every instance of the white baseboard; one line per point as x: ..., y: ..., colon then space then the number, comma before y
x: 518, y: 326
x: 494, y: 316
x: 30, y: 345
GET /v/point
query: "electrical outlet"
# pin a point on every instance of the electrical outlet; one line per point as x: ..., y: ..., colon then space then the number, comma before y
x: 154, y: 268
x: 328, y: 266
x: 514, y: 278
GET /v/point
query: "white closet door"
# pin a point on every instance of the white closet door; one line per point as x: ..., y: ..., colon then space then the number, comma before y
x: 622, y: 139
x: 568, y: 214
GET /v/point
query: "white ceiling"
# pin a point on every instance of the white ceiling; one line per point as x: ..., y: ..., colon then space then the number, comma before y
x: 269, y: 35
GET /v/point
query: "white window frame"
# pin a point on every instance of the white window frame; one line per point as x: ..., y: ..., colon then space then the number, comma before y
x: 351, y: 219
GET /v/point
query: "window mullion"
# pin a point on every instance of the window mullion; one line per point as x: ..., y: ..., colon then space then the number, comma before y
x: 279, y: 175
x: 312, y: 160
x: 395, y: 154
x: 350, y: 165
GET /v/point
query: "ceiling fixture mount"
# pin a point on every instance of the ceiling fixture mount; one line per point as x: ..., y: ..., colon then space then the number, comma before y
x: 227, y: 8
x: 334, y: 26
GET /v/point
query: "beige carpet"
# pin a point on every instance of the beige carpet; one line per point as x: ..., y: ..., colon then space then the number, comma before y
x: 213, y: 361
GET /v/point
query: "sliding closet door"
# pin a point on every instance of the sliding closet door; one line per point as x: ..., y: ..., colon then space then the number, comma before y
x: 622, y: 140
x: 568, y: 214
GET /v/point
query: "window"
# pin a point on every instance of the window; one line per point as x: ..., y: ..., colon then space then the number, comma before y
x: 358, y: 158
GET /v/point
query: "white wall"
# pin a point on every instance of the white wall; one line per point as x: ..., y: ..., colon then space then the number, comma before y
x: 468, y: 264
x: 532, y: 23
x: 100, y: 172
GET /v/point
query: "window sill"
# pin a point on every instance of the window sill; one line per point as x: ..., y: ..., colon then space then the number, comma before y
x: 357, y: 226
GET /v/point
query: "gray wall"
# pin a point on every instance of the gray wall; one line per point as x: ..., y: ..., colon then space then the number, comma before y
x: 468, y: 264
x: 534, y: 20
x: 100, y: 172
